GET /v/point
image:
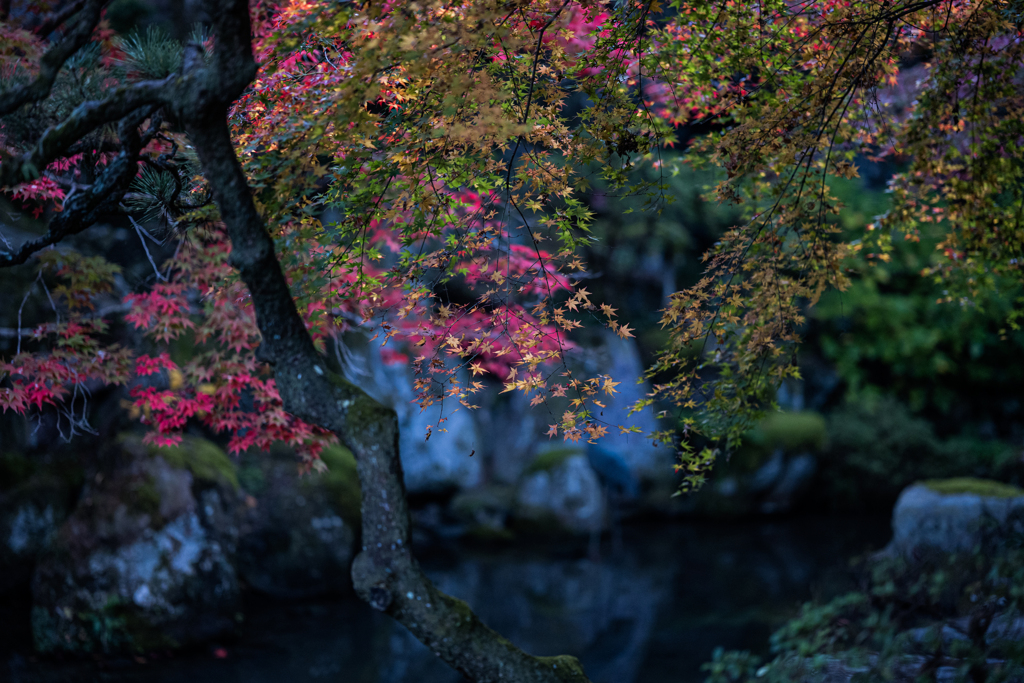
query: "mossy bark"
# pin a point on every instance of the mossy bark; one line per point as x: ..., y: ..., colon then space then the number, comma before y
x: 385, y: 573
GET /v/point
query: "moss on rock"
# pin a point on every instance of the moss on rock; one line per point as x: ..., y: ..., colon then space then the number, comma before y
x: 793, y: 431
x: 972, y: 485
x: 204, y: 459
x: 550, y: 459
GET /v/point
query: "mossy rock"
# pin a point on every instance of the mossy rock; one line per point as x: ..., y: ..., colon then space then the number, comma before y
x: 204, y: 459
x: 793, y: 432
x: 112, y: 628
x: 145, y: 498
x: 342, y: 480
x: 798, y: 431
x: 550, y: 459
x: 974, y: 486
x: 300, y: 531
x: 469, y: 504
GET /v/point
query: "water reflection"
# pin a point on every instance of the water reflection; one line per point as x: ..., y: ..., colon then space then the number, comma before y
x: 651, y: 612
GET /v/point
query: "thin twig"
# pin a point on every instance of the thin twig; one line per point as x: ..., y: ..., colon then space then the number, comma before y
x: 142, y: 238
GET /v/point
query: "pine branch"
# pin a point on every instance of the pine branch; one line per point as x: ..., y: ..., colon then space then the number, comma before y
x: 53, y: 20
x: 53, y: 60
x: 58, y: 139
x: 83, y: 208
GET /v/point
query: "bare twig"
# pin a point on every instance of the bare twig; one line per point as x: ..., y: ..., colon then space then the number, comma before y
x: 142, y: 238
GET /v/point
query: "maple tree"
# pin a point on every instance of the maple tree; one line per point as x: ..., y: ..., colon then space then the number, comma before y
x: 800, y: 93
x: 420, y: 170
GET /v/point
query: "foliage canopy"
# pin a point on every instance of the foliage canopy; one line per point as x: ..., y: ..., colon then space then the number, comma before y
x: 422, y: 169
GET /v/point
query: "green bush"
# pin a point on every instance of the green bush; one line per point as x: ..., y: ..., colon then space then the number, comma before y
x: 950, y: 355
x: 876, y: 449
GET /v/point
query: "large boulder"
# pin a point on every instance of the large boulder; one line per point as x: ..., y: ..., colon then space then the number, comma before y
x: 30, y: 514
x: 620, y: 358
x: 439, y: 463
x: 299, y: 532
x: 561, y: 492
x: 951, y: 515
x: 514, y: 430
x: 144, y: 561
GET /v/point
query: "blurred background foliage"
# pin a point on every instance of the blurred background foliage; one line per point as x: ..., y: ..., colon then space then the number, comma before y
x: 900, y: 380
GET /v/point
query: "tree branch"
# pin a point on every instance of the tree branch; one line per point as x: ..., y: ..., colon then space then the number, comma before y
x: 53, y: 20
x: 85, y: 207
x: 53, y: 60
x: 84, y: 119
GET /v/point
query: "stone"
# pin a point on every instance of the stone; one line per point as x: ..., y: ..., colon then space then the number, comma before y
x: 144, y: 562
x: 796, y: 477
x: 483, y: 512
x: 30, y: 515
x: 514, y: 430
x: 769, y: 473
x: 620, y: 358
x: 567, y: 496
x: 935, y: 517
x: 440, y: 464
x: 298, y: 533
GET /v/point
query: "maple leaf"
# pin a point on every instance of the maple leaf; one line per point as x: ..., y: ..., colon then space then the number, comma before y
x: 552, y: 431
x: 624, y: 331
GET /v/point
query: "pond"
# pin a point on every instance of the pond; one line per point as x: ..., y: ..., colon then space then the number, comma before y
x: 651, y: 609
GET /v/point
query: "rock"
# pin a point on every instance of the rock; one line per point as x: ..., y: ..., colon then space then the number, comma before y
x: 954, y: 515
x: 143, y: 562
x: 796, y: 478
x: 773, y: 487
x: 441, y: 464
x: 299, y: 531
x: 564, y: 492
x: 1005, y: 628
x: 514, y: 430
x: 30, y: 515
x: 769, y: 473
x: 620, y: 358
x: 484, y: 512
x: 445, y: 462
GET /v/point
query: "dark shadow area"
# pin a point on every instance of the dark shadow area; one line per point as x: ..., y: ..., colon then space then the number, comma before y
x: 652, y: 611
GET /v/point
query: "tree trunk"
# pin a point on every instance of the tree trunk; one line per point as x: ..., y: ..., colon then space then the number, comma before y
x: 384, y: 573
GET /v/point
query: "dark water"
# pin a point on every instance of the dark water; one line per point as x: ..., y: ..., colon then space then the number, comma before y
x: 650, y: 612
